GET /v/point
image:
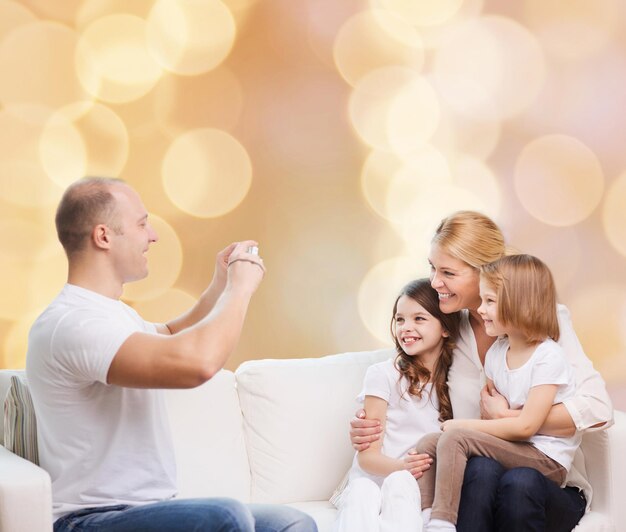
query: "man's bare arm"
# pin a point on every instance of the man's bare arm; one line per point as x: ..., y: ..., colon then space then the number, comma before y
x: 192, y: 356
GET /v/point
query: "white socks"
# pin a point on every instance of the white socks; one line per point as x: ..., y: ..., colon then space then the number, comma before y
x: 439, y: 525
x: 426, y: 515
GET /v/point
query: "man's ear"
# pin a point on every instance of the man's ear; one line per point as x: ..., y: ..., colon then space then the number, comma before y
x: 101, y: 236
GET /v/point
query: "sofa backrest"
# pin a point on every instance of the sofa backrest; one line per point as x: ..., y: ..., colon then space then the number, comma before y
x: 296, y: 419
x: 207, y: 428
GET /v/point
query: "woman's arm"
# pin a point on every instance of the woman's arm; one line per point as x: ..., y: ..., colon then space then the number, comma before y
x: 372, y: 460
x: 520, y: 428
x: 364, y: 430
x: 591, y: 407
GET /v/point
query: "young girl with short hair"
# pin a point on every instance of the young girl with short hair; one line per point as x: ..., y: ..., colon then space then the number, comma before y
x: 528, y: 368
x: 410, y: 395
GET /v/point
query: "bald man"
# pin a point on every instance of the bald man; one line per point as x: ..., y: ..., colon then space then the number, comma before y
x: 96, y: 371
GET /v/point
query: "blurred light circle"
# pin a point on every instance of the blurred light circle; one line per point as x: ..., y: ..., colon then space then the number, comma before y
x: 215, y: 169
x: 22, y: 239
x: 379, y: 290
x: 424, y: 164
x: 113, y: 61
x: 83, y: 139
x: 374, y: 39
x: 26, y: 184
x: 22, y: 178
x: 573, y: 29
x: 472, y: 135
x: 190, y: 36
x: 91, y: 10
x: 62, y: 151
x: 558, y: 180
x: 476, y: 177
x: 183, y: 103
x: 415, y: 208
x: 480, y: 63
x: 165, y: 307
x: 413, y: 115
x: 324, y: 20
x: 377, y: 103
x: 59, y: 11
x: 377, y: 173
x: 37, y: 62
x: 165, y: 260
x: 540, y: 241
x: 614, y: 214
x: 433, y: 34
x: 13, y: 15
x: 597, y: 318
x: 30, y: 256
x: 422, y: 12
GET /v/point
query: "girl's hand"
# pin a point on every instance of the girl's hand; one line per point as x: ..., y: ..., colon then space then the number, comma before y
x: 364, y: 431
x: 416, y: 464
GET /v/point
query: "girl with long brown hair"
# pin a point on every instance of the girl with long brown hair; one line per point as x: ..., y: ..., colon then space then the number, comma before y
x: 409, y: 393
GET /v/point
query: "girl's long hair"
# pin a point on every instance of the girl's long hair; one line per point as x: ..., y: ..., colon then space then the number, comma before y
x: 411, y: 367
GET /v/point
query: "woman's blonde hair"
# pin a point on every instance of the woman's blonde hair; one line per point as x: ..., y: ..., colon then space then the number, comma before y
x: 526, y: 295
x: 471, y: 237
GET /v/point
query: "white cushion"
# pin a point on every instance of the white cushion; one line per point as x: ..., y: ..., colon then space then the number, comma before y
x: 296, y: 419
x: 207, y: 429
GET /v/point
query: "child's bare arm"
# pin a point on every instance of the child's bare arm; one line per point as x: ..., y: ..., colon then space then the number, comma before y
x: 372, y: 460
x: 520, y: 428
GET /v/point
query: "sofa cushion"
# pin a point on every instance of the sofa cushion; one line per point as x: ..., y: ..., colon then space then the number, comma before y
x: 296, y: 420
x: 207, y: 430
x: 20, y: 425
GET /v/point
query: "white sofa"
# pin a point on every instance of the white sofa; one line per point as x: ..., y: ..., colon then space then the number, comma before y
x: 276, y: 431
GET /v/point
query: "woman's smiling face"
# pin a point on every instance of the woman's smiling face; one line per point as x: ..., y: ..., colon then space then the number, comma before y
x: 455, y: 281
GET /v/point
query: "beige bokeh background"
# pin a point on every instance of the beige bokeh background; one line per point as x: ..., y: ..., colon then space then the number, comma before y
x: 337, y: 134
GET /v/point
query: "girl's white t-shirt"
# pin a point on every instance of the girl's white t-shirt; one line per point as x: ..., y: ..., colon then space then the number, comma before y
x: 408, y: 417
x: 547, y: 365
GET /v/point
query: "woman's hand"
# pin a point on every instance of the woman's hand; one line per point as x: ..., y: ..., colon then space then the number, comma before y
x: 416, y: 464
x: 363, y: 431
x: 493, y: 405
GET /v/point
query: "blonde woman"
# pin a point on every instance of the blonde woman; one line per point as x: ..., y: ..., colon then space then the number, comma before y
x: 492, y: 497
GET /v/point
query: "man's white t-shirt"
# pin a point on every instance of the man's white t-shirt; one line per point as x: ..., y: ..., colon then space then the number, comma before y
x: 547, y: 365
x: 102, y: 445
x: 408, y: 417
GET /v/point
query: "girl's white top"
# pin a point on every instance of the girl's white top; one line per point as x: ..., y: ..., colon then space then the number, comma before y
x: 547, y: 365
x: 589, y: 406
x: 408, y: 417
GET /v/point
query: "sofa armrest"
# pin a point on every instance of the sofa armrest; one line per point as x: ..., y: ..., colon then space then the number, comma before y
x: 606, y: 469
x: 25, y: 495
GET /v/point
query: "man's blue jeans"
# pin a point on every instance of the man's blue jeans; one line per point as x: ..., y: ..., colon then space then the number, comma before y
x: 520, y: 499
x: 188, y: 515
